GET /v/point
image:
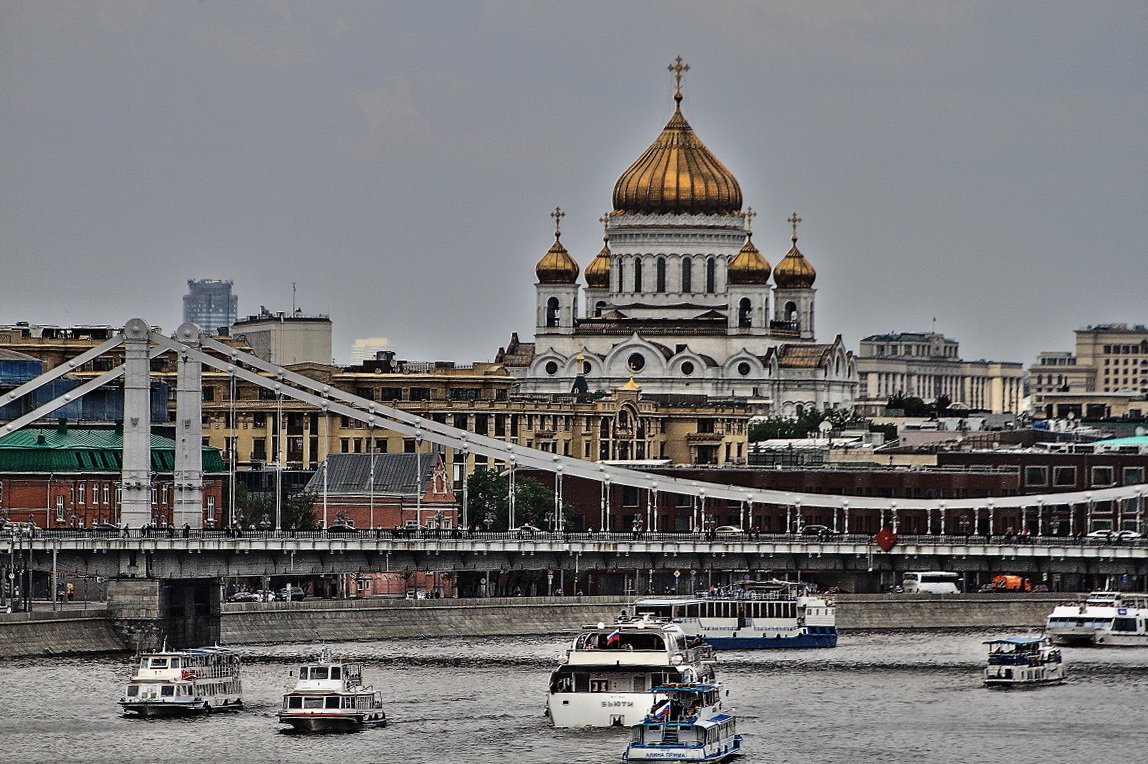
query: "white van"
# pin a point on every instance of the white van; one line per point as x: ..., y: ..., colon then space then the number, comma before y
x: 931, y: 582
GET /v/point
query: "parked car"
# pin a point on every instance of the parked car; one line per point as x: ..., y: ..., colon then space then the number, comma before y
x: 290, y: 594
x: 728, y: 530
x: 821, y: 531
x: 243, y: 597
x: 341, y: 528
x: 106, y: 528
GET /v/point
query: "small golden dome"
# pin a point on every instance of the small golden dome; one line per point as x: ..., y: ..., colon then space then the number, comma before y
x: 677, y: 174
x: 556, y: 266
x: 631, y: 385
x: 749, y: 267
x: 598, y: 271
x: 794, y: 271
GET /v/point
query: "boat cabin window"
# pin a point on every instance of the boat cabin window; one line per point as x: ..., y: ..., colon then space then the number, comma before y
x: 336, y: 672
x: 658, y: 611
x: 294, y: 702
x: 333, y: 701
x: 158, y: 663
x: 302, y: 672
x: 133, y: 690
x: 318, y: 672
x: 174, y: 663
x: 167, y: 690
x: 1124, y: 624
x: 312, y: 702
x: 599, y: 685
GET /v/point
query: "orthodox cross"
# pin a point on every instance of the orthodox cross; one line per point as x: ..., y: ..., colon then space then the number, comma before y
x: 677, y: 68
x: 794, y: 220
x: 749, y: 216
x: 605, y: 221
x: 557, y: 214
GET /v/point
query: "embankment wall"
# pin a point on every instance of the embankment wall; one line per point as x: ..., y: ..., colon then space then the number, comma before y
x: 68, y: 632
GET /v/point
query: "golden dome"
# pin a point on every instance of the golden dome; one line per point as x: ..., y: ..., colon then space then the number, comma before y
x: 794, y: 271
x: 556, y: 266
x: 749, y: 267
x: 677, y: 174
x: 598, y: 271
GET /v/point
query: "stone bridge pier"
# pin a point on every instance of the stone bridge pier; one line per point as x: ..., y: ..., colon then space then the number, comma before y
x: 149, y: 613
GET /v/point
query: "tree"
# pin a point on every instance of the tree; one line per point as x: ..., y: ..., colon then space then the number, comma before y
x: 488, y: 493
x: 298, y: 511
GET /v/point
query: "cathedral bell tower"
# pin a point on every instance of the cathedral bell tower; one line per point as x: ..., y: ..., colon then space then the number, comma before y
x: 557, y: 287
x: 793, y: 295
x: 747, y: 278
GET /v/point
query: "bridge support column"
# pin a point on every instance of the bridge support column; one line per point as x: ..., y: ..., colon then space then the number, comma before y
x: 148, y: 613
x: 188, y: 476
x: 135, y: 478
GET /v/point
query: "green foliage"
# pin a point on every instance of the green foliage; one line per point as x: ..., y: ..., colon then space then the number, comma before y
x: 488, y: 493
x: 258, y: 509
x: 914, y: 406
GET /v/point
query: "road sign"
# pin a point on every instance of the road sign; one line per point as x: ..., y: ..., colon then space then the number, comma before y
x: 677, y: 574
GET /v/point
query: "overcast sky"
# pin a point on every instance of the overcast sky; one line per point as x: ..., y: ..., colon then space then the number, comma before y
x: 985, y: 164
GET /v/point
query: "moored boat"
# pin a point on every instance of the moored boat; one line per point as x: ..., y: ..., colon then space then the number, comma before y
x: 755, y: 615
x: 609, y: 673
x: 1116, y: 619
x: 1020, y: 661
x: 688, y: 724
x: 184, y: 682
x: 329, y: 696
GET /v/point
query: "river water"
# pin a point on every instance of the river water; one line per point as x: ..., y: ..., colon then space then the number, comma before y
x: 878, y: 696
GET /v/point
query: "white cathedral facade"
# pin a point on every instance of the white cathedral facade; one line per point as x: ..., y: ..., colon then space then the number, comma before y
x: 679, y: 300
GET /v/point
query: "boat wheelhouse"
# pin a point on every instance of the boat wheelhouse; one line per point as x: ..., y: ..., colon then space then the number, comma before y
x: 608, y: 674
x: 1104, y: 619
x: 181, y: 682
x: 329, y: 696
x: 688, y: 724
x: 755, y: 615
x: 1022, y: 661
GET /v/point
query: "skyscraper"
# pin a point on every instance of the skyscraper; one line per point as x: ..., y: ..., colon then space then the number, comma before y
x: 210, y: 304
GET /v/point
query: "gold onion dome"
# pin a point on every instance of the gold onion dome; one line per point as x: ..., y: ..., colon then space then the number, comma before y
x: 794, y: 271
x: 556, y: 266
x: 598, y: 271
x: 677, y: 174
x: 748, y: 267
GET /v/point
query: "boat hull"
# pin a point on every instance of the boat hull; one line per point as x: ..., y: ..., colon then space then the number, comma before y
x: 708, y: 753
x: 773, y: 643
x: 151, y: 709
x: 599, y: 709
x: 333, y: 722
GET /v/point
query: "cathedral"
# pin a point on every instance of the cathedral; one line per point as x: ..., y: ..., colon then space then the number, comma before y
x: 680, y: 300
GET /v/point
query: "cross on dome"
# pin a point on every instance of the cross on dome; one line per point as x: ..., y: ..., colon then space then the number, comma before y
x: 794, y: 220
x: 750, y: 214
x: 677, y: 68
x: 557, y: 214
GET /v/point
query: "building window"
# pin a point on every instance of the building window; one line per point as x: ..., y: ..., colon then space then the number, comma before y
x: 59, y: 510
x: 744, y: 313
x: 420, y: 394
x: 552, y: 312
x: 711, y: 275
x: 1036, y: 475
x: 463, y: 393
x: 83, y: 499
x: 208, y: 393
x: 660, y: 275
x: 636, y: 362
x: 637, y: 275
x: 1063, y: 476
x: 687, y: 274
x: 687, y: 368
x: 1102, y: 476
x: 551, y: 368
x: 1133, y: 475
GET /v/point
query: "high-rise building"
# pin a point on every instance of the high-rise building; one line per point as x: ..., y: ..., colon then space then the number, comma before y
x: 210, y: 304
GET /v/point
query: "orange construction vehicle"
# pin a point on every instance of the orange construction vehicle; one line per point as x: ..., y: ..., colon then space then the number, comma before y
x: 1011, y: 584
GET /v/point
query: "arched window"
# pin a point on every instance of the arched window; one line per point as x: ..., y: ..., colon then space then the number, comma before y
x: 552, y: 312
x: 711, y: 276
x: 790, y: 311
x: 744, y: 314
x: 621, y: 280
x: 599, y: 307
x: 637, y: 275
x: 687, y: 274
x: 660, y: 275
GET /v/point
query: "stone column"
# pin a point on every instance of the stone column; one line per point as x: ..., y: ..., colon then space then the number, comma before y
x: 188, y: 474
x: 135, y: 478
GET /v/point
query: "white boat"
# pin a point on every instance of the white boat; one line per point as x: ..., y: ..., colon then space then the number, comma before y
x: 329, y: 696
x: 688, y: 724
x: 180, y: 682
x: 756, y: 615
x: 1104, y: 618
x: 609, y: 674
x: 1022, y: 661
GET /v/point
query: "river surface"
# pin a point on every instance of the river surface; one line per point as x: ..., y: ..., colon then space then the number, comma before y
x: 878, y: 696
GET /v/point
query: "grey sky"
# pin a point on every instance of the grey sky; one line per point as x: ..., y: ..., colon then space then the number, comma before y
x: 983, y: 163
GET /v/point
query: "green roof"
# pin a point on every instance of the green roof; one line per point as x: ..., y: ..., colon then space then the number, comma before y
x: 85, y: 449
x: 1135, y: 440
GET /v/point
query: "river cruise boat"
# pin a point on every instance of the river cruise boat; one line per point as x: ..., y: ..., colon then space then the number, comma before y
x: 609, y: 673
x: 329, y: 696
x: 687, y: 724
x: 1103, y: 619
x: 1021, y: 661
x: 182, y: 682
x: 756, y: 615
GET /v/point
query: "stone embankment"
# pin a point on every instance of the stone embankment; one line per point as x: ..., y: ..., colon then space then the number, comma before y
x: 95, y: 630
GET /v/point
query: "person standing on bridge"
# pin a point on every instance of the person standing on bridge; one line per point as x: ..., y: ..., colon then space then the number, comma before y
x: 126, y: 531
x: 186, y: 530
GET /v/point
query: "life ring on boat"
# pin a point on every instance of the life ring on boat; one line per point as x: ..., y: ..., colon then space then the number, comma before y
x: 188, y: 674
